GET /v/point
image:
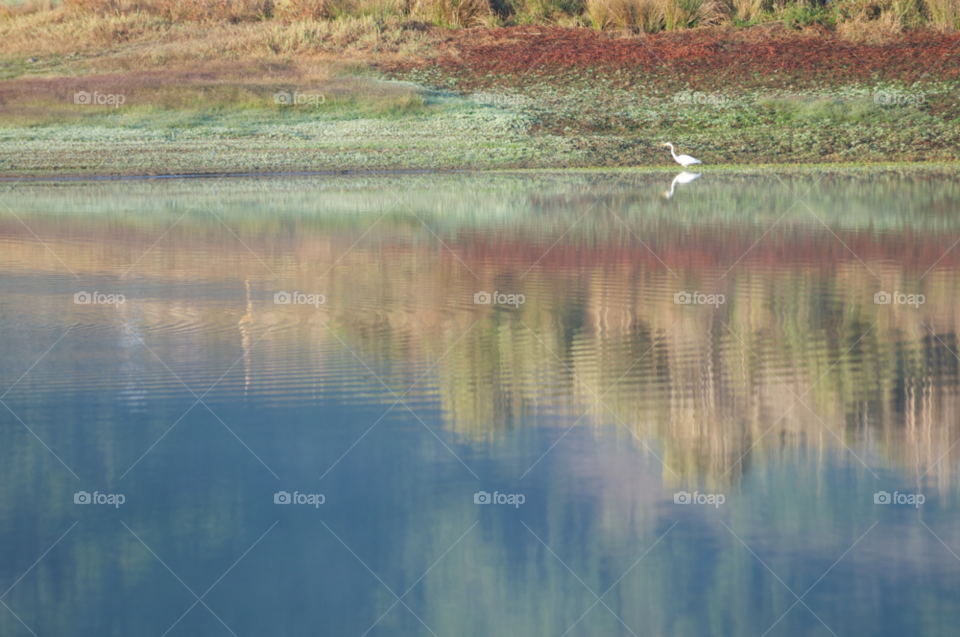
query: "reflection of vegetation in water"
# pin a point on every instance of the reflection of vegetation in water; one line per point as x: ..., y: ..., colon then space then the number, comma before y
x: 598, y: 301
x: 698, y: 396
x: 698, y: 580
x: 898, y: 196
x: 705, y: 397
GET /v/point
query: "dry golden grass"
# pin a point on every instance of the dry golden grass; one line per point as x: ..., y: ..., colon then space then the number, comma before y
x: 448, y: 13
x: 334, y: 9
x: 878, y: 21
x: 646, y: 16
x: 879, y: 31
x: 686, y: 14
x: 452, y: 13
x: 229, y: 10
x: 8, y: 10
x: 152, y: 33
x: 165, y: 66
x: 650, y: 16
x: 750, y: 10
x: 147, y: 41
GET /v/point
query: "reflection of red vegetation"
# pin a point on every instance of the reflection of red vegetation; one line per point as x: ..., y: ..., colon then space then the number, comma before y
x: 716, y: 247
x: 474, y: 53
x: 705, y: 247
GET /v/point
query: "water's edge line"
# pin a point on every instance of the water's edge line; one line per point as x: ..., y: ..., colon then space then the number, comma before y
x: 758, y: 169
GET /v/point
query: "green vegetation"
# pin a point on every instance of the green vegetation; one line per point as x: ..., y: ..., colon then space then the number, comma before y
x: 388, y: 92
x: 385, y: 125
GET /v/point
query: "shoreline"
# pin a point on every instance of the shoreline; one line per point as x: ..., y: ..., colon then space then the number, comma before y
x: 850, y: 169
x: 482, y: 100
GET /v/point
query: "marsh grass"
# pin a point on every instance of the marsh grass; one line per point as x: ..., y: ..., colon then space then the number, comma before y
x: 877, y: 21
x: 564, y: 12
x: 445, y: 13
x: 380, y: 10
x: 110, y: 20
x: 651, y: 16
x: 945, y: 14
x: 452, y: 13
x: 750, y: 11
x: 832, y: 112
x: 143, y: 41
x: 228, y: 10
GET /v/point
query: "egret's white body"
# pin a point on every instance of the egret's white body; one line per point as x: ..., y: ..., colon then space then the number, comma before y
x: 682, y: 178
x: 683, y: 160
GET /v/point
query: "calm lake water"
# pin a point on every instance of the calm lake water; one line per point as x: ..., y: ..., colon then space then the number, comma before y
x: 407, y: 347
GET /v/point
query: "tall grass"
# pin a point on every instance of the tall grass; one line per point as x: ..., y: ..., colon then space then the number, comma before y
x: 452, y: 13
x: 852, y: 18
x: 447, y: 13
x: 687, y: 14
x: 9, y: 10
x: 642, y: 15
x: 229, y: 10
x: 945, y: 14
x: 539, y: 11
x: 335, y: 9
x: 748, y: 11
x: 650, y: 16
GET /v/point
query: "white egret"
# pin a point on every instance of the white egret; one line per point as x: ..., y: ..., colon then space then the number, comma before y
x: 682, y: 178
x: 683, y: 160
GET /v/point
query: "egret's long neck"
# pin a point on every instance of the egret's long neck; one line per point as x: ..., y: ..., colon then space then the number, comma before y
x: 672, y: 152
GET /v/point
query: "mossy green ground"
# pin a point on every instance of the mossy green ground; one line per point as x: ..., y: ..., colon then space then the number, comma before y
x: 429, y: 122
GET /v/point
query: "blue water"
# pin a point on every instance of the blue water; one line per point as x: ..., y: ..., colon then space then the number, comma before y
x: 396, y: 405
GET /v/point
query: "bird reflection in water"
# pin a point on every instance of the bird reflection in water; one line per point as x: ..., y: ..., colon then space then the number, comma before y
x: 682, y: 178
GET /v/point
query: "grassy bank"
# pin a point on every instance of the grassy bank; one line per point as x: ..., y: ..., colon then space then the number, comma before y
x: 852, y: 18
x: 82, y: 92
